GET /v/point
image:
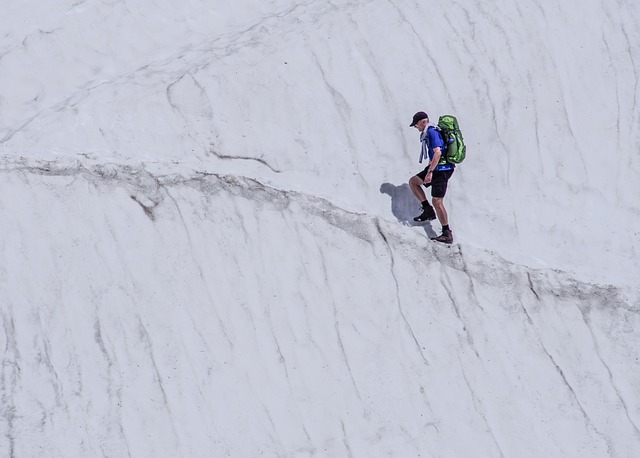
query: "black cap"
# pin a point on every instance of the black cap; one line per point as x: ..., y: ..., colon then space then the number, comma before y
x: 419, y: 116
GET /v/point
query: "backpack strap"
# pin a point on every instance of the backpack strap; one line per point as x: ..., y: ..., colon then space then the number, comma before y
x: 443, y: 148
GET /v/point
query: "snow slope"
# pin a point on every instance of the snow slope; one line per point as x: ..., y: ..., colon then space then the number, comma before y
x: 206, y: 248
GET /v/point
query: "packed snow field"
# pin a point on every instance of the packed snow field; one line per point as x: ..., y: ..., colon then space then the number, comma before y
x: 207, y: 236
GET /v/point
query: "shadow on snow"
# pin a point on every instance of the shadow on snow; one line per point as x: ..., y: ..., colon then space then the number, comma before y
x: 404, y: 206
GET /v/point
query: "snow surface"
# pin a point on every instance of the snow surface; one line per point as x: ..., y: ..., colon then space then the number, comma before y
x: 207, y: 247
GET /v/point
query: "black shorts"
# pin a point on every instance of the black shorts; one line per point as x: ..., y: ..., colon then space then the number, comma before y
x: 438, y: 183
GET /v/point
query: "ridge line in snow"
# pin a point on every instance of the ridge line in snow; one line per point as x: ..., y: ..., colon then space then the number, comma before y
x: 147, y: 187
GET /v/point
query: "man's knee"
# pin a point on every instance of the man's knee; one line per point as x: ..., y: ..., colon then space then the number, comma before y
x: 438, y: 201
x: 415, y: 181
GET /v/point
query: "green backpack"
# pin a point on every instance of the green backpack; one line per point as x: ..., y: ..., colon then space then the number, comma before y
x: 454, y: 143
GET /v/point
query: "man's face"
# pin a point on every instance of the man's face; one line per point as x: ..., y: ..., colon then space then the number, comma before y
x: 420, y: 125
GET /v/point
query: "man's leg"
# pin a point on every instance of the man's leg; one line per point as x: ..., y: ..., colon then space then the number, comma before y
x: 415, y: 183
x: 439, y: 190
x: 438, y: 204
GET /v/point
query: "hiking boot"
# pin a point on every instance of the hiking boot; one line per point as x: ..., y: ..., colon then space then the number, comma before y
x: 428, y: 214
x: 446, y: 237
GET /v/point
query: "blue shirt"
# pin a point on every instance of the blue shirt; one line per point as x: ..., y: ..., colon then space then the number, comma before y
x: 430, y: 139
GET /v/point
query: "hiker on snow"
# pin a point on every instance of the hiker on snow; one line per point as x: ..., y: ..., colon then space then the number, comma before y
x: 436, y: 175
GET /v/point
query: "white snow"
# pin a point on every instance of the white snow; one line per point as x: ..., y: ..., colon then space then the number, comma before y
x: 206, y: 236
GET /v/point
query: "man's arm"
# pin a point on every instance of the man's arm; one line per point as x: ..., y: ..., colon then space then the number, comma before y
x: 433, y: 163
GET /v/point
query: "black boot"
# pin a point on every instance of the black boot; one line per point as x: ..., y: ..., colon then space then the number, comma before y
x: 428, y: 213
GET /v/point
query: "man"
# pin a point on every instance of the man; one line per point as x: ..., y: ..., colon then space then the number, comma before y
x: 436, y: 175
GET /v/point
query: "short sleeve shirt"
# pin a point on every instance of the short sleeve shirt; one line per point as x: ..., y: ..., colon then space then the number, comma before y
x: 431, y: 139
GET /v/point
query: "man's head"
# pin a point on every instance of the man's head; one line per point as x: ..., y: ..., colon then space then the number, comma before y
x: 420, y: 120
